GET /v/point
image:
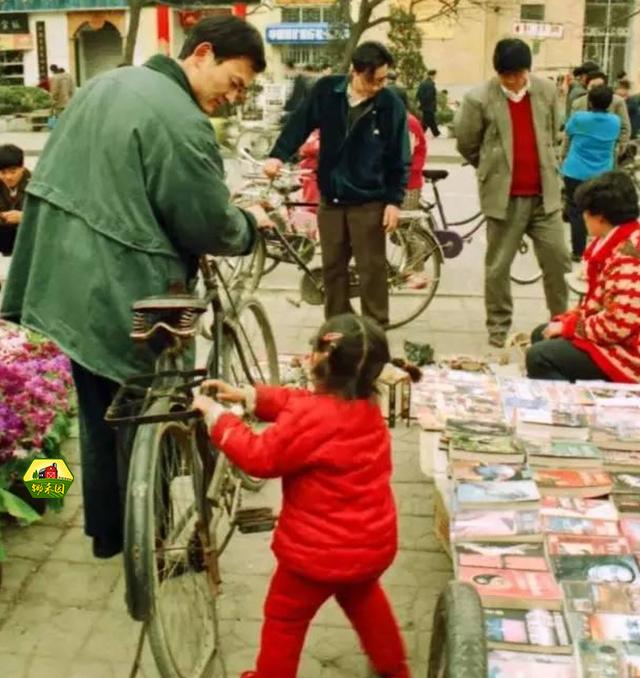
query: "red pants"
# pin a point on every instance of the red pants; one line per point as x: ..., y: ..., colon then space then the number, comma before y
x: 293, y: 601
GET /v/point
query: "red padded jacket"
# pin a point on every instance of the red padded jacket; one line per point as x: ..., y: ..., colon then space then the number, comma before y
x: 338, y: 521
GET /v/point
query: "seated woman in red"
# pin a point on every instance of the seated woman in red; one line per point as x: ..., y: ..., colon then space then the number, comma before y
x: 600, y: 339
x: 337, y: 530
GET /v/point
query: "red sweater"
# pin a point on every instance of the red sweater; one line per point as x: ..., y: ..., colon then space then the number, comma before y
x: 338, y: 518
x: 526, y: 179
x: 606, y: 325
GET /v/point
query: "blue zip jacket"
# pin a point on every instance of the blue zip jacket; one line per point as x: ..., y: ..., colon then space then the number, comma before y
x: 368, y: 163
x: 593, y: 136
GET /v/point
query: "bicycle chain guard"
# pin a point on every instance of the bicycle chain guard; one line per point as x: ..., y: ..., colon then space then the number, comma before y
x: 137, y: 393
x: 312, y: 287
x: 451, y: 243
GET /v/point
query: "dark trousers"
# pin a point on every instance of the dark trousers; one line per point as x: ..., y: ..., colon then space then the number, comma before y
x: 103, y: 468
x: 559, y: 359
x: 578, y: 228
x: 429, y: 122
x: 354, y: 230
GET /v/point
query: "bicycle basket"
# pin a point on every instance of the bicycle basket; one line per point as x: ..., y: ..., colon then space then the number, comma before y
x: 138, y: 393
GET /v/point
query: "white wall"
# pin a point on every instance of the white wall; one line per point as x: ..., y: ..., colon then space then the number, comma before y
x: 57, y: 44
x: 147, y: 42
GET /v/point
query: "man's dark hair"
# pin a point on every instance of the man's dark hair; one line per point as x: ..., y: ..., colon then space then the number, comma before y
x: 11, y: 156
x: 589, y: 67
x: 230, y: 38
x: 53, y: 68
x: 600, y: 98
x: 290, y: 64
x: 369, y: 56
x: 432, y: 73
x: 623, y: 83
x: 597, y: 75
x: 511, y: 55
x: 621, y: 75
x: 611, y: 195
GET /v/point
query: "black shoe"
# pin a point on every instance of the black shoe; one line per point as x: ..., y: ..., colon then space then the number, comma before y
x: 107, y: 547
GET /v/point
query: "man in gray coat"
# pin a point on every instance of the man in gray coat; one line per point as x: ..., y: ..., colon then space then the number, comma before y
x: 507, y: 129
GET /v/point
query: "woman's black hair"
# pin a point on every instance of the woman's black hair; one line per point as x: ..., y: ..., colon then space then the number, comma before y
x: 11, y: 156
x: 511, y: 55
x: 356, y: 349
x: 369, y: 56
x: 600, y: 98
x: 230, y: 37
x: 611, y: 195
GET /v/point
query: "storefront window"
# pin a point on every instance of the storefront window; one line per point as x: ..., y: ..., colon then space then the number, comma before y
x: 307, y: 14
x: 606, y: 30
x: 304, y: 54
x: 532, y: 12
x: 12, y: 68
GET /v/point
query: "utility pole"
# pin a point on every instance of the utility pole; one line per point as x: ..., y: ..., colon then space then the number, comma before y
x: 607, y: 39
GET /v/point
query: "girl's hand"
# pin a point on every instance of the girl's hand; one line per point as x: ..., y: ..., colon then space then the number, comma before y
x: 224, y: 392
x: 211, y: 410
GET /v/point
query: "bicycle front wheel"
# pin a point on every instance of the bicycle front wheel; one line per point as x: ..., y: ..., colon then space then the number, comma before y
x: 525, y: 269
x: 250, y: 357
x: 168, y: 570
x: 414, y: 259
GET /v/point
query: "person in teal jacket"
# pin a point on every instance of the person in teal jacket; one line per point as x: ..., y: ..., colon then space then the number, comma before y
x: 592, y: 135
x: 129, y: 191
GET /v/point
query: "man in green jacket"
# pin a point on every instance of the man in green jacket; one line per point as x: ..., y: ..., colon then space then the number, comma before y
x: 363, y: 169
x: 129, y: 191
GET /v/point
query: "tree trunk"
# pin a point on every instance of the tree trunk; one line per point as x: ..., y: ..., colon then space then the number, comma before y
x: 135, y: 9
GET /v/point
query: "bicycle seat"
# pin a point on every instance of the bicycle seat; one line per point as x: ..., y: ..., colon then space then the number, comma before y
x: 435, y: 174
x: 176, y: 314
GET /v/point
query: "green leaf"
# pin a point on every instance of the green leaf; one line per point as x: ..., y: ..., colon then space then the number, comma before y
x: 16, y: 507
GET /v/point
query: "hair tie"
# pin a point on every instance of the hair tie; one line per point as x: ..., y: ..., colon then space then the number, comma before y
x: 332, y: 338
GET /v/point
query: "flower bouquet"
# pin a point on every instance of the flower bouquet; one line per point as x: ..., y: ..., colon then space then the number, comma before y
x: 35, y: 412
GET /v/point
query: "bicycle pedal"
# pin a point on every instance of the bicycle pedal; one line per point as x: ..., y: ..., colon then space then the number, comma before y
x: 251, y: 520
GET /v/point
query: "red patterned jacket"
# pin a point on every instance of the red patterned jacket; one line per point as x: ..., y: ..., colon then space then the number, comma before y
x: 338, y: 521
x: 606, y: 324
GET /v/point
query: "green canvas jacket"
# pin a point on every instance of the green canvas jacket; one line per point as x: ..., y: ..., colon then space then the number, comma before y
x: 128, y: 192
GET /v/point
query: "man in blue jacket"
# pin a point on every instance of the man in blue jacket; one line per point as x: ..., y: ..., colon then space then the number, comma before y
x: 363, y: 169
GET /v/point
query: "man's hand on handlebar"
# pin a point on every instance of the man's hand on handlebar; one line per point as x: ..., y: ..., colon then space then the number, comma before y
x: 272, y: 167
x: 262, y: 218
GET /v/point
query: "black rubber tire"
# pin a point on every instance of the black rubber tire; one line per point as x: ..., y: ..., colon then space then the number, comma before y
x: 524, y: 279
x: 233, y: 340
x: 140, y: 560
x: 435, y: 254
x: 458, y: 641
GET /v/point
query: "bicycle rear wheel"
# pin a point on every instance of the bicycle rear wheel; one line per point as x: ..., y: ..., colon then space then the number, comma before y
x: 168, y: 569
x: 458, y: 645
x: 525, y: 269
x: 414, y: 259
x: 249, y: 357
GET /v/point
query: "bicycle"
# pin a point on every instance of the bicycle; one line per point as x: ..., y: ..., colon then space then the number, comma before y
x: 183, y: 498
x: 527, y: 270
x: 414, y: 256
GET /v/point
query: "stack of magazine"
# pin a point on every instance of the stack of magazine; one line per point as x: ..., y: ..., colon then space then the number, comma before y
x: 538, y: 504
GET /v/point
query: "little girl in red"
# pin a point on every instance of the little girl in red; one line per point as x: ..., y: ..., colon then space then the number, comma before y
x: 337, y: 531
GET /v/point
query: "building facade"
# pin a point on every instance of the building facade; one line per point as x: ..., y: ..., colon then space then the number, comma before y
x: 86, y: 37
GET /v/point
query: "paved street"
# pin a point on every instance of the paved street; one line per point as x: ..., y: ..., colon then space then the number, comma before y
x: 63, y: 610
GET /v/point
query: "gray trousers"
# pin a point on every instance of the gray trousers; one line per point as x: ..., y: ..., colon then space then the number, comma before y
x: 524, y: 216
x: 357, y: 231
